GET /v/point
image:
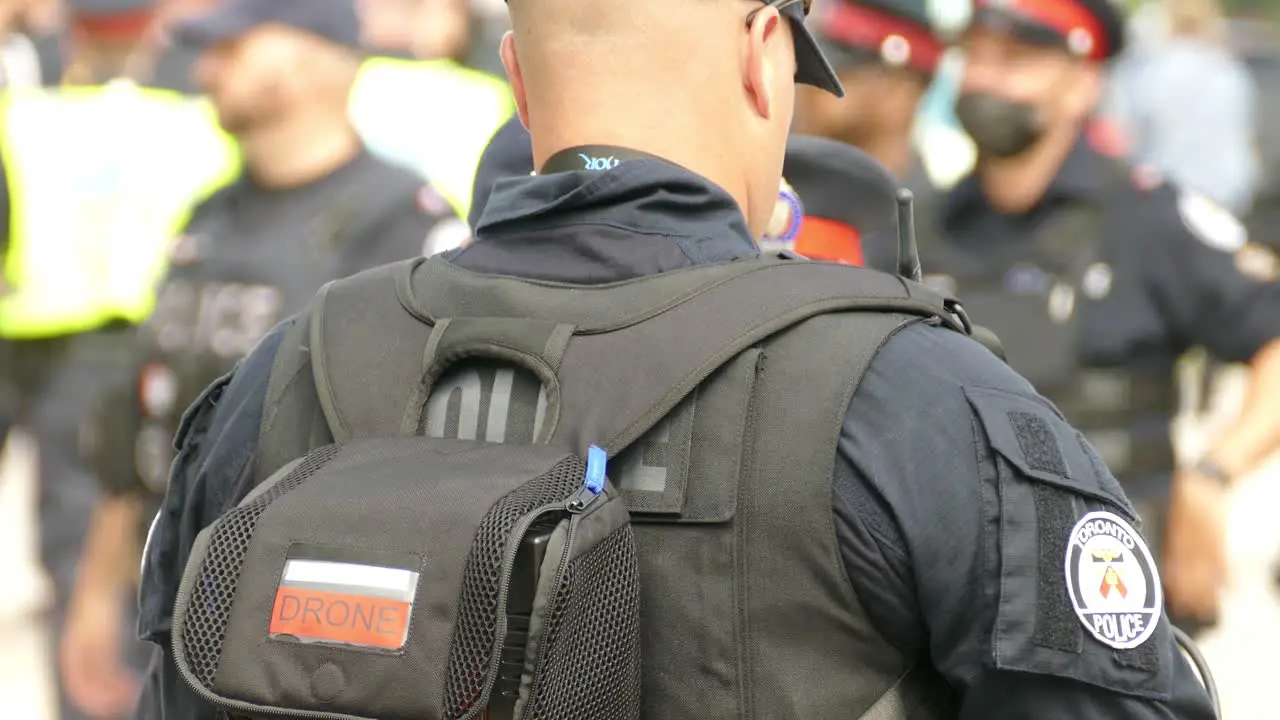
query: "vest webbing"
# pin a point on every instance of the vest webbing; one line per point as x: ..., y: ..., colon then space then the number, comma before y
x: 1104, y: 403
x: 94, y: 205
x: 748, y: 367
x: 451, y: 114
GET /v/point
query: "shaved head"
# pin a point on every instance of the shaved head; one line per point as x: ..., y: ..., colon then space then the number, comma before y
x: 692, y: 81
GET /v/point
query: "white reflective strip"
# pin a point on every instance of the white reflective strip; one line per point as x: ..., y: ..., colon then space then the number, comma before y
x: 335, y: 573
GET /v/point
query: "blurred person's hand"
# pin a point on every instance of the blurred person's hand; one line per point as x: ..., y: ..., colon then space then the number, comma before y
x: 1195, y: 556
x: 93, y: 671
x: 90, y: 657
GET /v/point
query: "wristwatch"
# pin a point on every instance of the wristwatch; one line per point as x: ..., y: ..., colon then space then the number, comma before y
x: 1209, y: 468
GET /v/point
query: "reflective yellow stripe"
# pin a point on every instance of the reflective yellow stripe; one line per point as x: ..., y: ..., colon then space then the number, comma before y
x: 448, y: 112
x: 100, y: 180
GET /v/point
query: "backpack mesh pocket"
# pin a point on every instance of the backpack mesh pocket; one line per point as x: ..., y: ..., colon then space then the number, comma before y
x: 472, y: 650
x: 590, y: 664
x: 209, y: 611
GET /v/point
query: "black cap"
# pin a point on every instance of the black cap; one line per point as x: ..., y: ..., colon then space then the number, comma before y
x: 812, y: 67
x: 333, y: 20
x: 896, y: 33
x: 509, y: 154
x: 850, y: 199
x: 1086, y: 28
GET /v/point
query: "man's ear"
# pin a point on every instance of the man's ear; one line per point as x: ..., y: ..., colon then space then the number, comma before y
x: 507, y: 50
x: 764, y: 40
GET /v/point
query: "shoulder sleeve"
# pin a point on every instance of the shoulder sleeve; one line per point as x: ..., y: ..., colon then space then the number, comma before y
x: 990, y: 491
x: 108, y: 436
x: 216, y: 442
x: 1213, y: 286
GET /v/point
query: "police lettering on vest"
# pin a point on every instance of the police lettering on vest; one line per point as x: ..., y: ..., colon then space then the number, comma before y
x: 223, y: 319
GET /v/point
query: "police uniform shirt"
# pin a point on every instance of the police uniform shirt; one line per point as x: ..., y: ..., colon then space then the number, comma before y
x: 1175, y: 270
x: 249, y: 257
x: 952, y: 532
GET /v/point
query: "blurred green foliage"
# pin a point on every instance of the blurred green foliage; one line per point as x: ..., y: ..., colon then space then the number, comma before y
x: 1253, y: 8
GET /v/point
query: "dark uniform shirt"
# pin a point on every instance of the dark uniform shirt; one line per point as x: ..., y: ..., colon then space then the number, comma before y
x: 1175, y: 276
x: 936, y: 528
x: 249, y: 257
x: 1162, y: 271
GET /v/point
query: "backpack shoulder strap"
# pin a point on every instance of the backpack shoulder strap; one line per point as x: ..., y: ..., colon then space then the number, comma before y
x: 293, y: 422
x: 613, y: 360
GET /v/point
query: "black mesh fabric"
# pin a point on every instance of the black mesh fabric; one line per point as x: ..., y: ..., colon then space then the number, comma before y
x: 590, y: 663
x: 209, y: 608
x: 472, y: 649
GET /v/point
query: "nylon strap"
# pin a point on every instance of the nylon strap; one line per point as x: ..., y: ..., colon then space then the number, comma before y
x: 638, y: 351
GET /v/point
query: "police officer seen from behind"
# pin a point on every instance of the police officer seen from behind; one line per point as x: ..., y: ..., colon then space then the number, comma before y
x: 312, y: 205
x: 886, y: 54
x: 1097, y: 278
x: 856, y: 520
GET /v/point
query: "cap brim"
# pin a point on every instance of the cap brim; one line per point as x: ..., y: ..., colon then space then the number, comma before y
x: 812, y: 67
x: 218, y: 25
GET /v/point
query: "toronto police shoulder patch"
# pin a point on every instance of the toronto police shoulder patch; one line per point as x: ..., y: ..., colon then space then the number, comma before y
x: 1113, y: 581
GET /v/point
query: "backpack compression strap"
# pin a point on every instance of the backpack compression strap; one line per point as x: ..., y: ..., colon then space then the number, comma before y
x: 614, y: 359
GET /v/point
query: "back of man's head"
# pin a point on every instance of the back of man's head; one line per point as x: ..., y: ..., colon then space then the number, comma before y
x: 706, y: 84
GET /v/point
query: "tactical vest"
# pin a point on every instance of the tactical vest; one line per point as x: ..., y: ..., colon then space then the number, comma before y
x: 434, y: 117
x: 1036, y: 297
x: 94, y: 204
x: 741, y: 374
x: 223, y: 293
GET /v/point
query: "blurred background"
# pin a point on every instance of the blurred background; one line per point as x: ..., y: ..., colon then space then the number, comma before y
x: 49, y: 43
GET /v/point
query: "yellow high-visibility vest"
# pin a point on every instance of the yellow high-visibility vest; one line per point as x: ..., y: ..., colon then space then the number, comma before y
x: 434, y: 117
x: 100, y: 180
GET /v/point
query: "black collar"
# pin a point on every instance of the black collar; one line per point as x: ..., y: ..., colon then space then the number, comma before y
x: 644, y: 215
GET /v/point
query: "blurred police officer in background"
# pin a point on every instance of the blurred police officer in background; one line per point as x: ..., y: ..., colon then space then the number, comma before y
x: 1097, y: 278
x: 426, y: 109
x: 922, y: 523
x: 886, y: 54
x: 96, y: 178
x: 312, y: 205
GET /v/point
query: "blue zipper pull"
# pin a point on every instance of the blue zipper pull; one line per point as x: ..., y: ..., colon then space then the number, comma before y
x: 593, y: 483
x: 596, y: 462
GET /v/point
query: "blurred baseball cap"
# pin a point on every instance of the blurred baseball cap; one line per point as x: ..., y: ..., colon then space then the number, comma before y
x: 112, y: 19
x: 850, y: 201
x: 1093, y: 29
x: 896, y: 33
x: 333, y: 20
